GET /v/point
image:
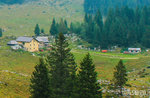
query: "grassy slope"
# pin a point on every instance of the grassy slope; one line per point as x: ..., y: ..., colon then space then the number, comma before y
x: 21, y: 19
x: 16, y: 84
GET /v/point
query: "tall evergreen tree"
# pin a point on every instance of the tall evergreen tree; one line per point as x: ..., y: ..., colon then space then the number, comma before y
x: 54, y: 28
x: 120, y: 76
x: 62, y: 67
x: 37, y: 30
x: 99, y: 19
x: 146, y: 39
x: 88, y: 85
x: 42, y: 31
x: 1, y: 32
x: 71, y: 28
x: 62, y: 27
x: 39, y: 86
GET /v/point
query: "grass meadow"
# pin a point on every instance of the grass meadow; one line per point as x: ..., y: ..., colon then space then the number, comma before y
x: 16, y: 68
x: 20, y: 20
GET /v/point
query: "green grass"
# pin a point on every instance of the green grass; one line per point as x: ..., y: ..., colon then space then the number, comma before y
x: 20, y: 20
x: 14, y: 84
x: 17, y: 85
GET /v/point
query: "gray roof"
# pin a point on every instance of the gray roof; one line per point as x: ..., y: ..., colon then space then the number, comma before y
x: 16, y: 47
x: 42, y: 39
x: 134, y: 49
x: 24, y: 39
x: 12, y: 42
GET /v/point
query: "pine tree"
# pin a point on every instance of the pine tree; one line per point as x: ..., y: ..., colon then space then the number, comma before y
x: 1, y: 32
x: 86, y: 18
x: 37, y: 30
x: 42, y: 31
x: 120, y: 76
x: 71, y: 28
x: 53, y: 29
x: 39, y: 86
x: 63, y: 27
x: 62, y: 67
x: 88, y: 85
x: 99, y: 19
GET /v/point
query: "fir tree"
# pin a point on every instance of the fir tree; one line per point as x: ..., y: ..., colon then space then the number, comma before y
x: 71, y: 28
x: 1, y: 32
x: 53, y: 29
x: 39, y: 86
x: 99, y: 19
x: 88, y: 85
x: 62, y: 68
x: 42, y: 31
x: 63, y: 27
x: 37, y: 30
x: 120, y: 76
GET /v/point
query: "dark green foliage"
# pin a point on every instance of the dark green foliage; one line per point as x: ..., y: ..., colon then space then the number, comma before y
x: 12, y: 1
x: 71, y: 28
x: 87, y: 79
x: 62, y: 26
x: 39, y: 87
x: 146, y: 40
x: 91, y: 6
x: 1, y: 32
x: 37, y: 30
x: 62, y: 69
x: 123, y: 27
x: 99, y: 20
x: 54, y: 28
x: 42, y: 31
x: 120, y: 76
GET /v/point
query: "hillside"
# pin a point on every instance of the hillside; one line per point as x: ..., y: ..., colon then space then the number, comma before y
x: 21, y: 19
x: 17, y: 67
x: 91, y: 6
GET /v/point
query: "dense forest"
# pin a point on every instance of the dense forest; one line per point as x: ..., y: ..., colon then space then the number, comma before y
x: 12, y: 1
x: 123, y: 27
x: 91, y: 6
x: 9, y: 2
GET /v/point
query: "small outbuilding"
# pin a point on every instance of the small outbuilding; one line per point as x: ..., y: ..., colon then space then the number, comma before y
x: 134, y: 50
x: 43, y: 41
x: 14, y: 45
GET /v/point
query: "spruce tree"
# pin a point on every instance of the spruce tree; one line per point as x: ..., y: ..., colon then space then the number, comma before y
x: 1, y: 32
x: 42, y: 31
x: 120, y: 76
x: 62, y: 68
x: 71, y: 28
x: 99, y: 19
x: 37, y: 30
x: 87, y: 79
x: 63, y: 27
x: 53, y: 29
x: 39, y: 87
